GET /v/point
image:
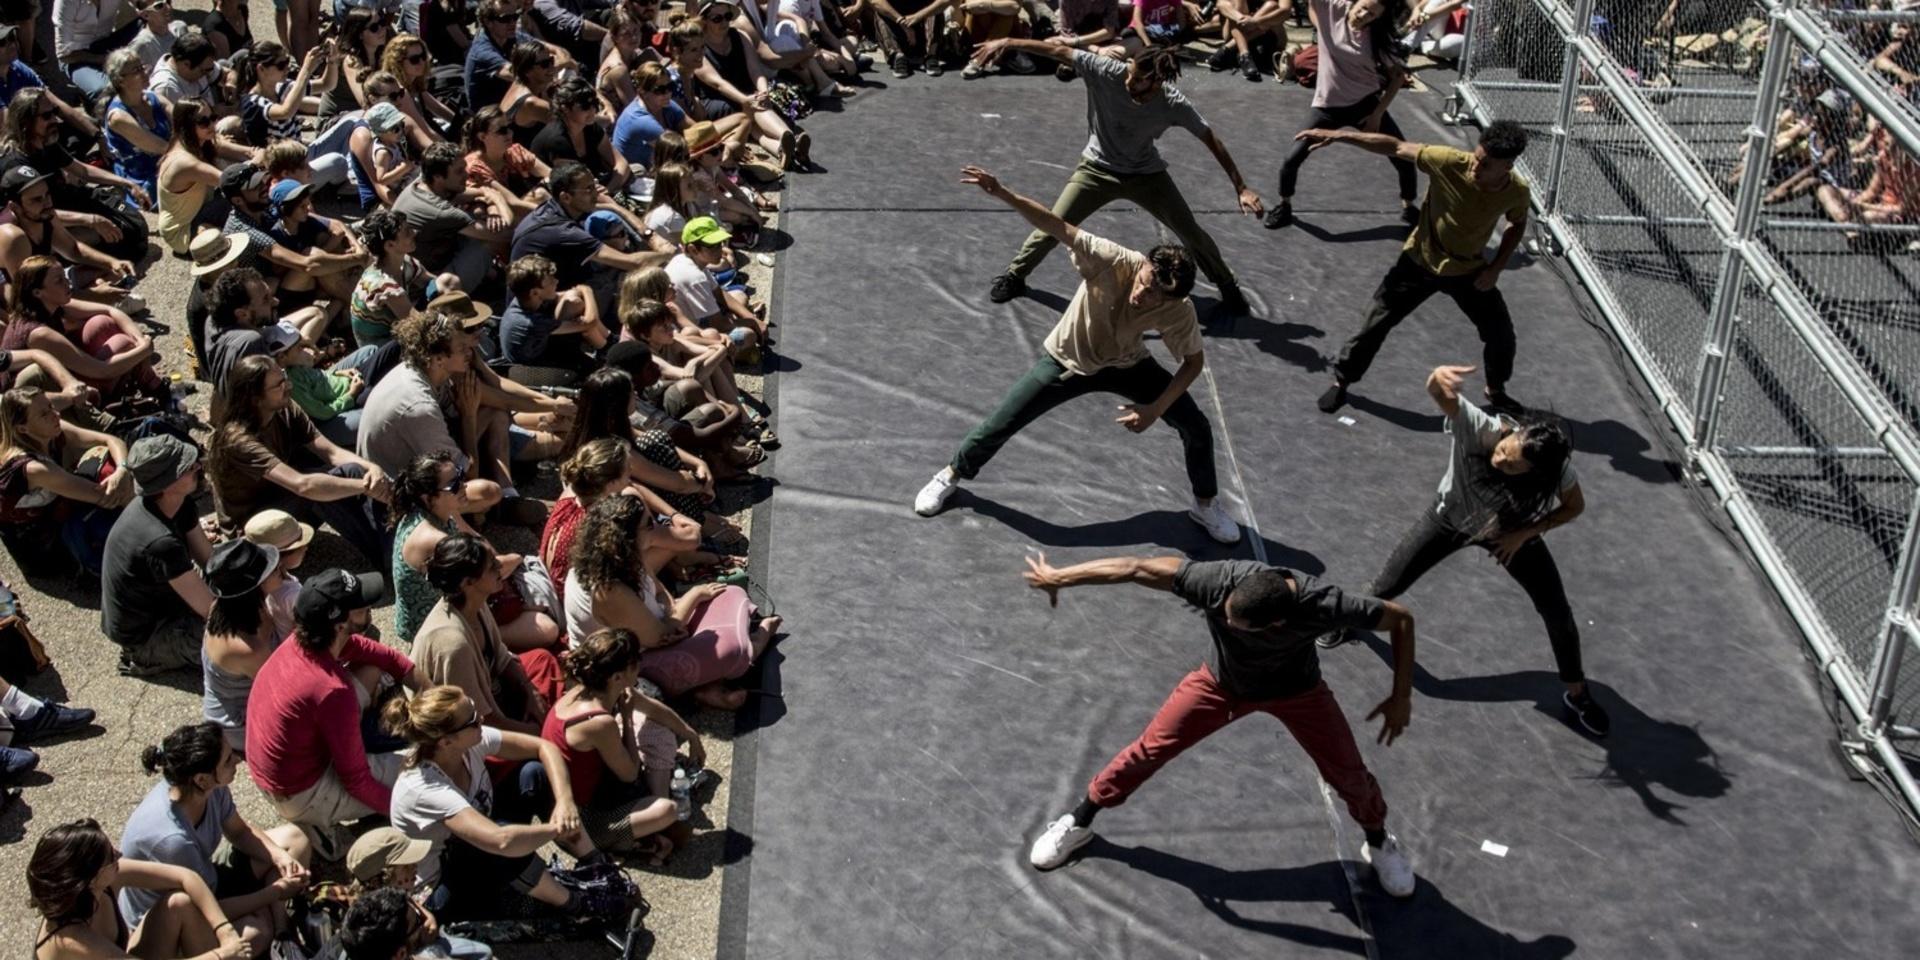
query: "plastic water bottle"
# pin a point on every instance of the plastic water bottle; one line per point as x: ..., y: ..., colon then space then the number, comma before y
x: 682, y: 792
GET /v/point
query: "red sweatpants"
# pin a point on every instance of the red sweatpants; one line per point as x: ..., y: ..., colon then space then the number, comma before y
x: 1198, y: 706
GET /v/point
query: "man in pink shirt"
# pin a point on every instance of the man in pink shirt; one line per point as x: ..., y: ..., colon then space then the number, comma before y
x: 304, y: 745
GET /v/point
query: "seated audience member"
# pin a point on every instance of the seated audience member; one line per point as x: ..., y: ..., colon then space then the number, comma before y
x: 385, y: 866
x: 294, y: 227
x: 450, y: 235
x: 554, y: 230
x: 703, y: 247
x: 153, y: 601
x: 796, y: 21
x: 213, y: 254
x: 485, y: 70
x: 182, y: 823
x: 306, y: 269
x: 363, y: 35
x: 527, y: 105
x: 405, y: 57
x: 71, y: 882
x: 240, y: 634
x: 446, y: 797
x: 1255, y: 32
x: 305, y: 749
x: 651, y: 113
x: 734, y: 73
x: 606, y: 405
x: 59, y: 483
x: 377, y: 161
x: 137, y: 124
x: 629, y: 44
x: 331, y: 399
x: 686, y: 415
x: 25, y: 718
x: 33, y: 139
x: 575, y: 133
x: 548, y: 335
x: 189, y: 173
x: 595, y: 470
x: 619, y: 742
x: 192, y: 71
x: 501, y: 167
x: 16, y: 76
x: 394, y: 283
x: 241, y: 306
x: 289, y: 538
x: 426, y: 510
x: 717, y: 156
x: 265, y: 452
x: 272, y: 95
x: 694, y: 643
x: 159, y: 31
x: 403, y: 417
x: 561, y: 22
x: 460, y: 643
x: 1437, y: 28
x: 35, y: 229
x: 675, y: 200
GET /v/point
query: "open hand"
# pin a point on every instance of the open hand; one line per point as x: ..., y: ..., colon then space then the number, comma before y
x: 1394, y: 713
x: 986, y: 181
x: 1316, y: 138
x: 989, y: 53
x: 1448, y: 376
x: 1508, y: 544
x: 1043, y: 576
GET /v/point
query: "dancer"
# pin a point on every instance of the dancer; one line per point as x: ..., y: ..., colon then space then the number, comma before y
x: 1129, y: 106
x: 1262, y: 619
x: 1508, y: 481
x: 1360, y: 73
x: 1467, y: 193
x: 1098, y: 347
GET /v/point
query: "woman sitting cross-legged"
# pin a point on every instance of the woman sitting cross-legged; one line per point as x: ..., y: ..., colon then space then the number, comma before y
x: 426, y: 510
x: 240, y: 632
x: 693, y: 643
x: 446, y: 797
x: 95, y: 342
x: 73, y: 881
x: 59, y: 483
x: 620, y: 742
x: 459, y: 643
x: 182, y: 823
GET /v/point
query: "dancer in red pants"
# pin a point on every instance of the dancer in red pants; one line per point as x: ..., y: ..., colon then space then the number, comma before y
x: 1263, y: 620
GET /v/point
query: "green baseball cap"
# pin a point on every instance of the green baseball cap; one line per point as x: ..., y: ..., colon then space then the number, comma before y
x: 705, y: 231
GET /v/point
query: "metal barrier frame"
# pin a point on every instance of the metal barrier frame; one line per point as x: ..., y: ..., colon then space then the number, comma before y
x: 1744, y: 264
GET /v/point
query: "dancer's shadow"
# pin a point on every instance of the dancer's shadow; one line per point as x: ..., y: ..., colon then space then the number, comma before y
x: 1283, y: 340
x: 1624, y: 447
x: 1398, y: 416
x: 1425, y: 925
x: 1643, y: 752
x: 1384, y: 231
x: 1171, y: 529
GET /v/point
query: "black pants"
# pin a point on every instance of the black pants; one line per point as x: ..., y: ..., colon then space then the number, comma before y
x: 475, y: 878
x: 132, y: 244
x: 1334, y: 118
x: 1403, y: 290
x: 1429, y: 541
x: 1048, y: 384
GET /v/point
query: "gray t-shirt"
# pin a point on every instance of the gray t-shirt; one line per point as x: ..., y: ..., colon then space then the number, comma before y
x: 1121, y: 132
x: 401, y: 420
x: 1281, y: 660
x: 436, y: 224
x: 1458, y: 504
x: 157, y: 833
x: 424, y: 799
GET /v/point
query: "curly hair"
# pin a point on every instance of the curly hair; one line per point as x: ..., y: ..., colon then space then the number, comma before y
x: 426, y: 334
x: 594, y: 661
x: 380, y: 228
x: 1504, y: 139
x: 607, y: 549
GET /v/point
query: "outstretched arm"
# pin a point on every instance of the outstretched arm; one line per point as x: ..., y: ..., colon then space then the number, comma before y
x: 1378, y: 143
x: 1042, y: 218
x: 1249, y: 200
x: 990, y: 52
x: 1154, y: 572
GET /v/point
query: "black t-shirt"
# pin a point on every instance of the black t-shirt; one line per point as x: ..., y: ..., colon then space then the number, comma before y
x: 1280, y: 661
x: 145, y: 552
x: 553, y: 145
x: 549, y: 232
x: 52, y: 158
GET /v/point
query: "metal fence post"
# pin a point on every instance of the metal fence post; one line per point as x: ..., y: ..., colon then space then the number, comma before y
x: 1563, y: 111
x: 1456, y: 110
x: 1746, y: 217
x: 1899, y: 630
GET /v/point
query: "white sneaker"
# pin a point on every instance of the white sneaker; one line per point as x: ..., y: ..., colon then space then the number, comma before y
x: 1058, y: 842
x: 1214, y: 518
x: 933, y: 497
x: 1391, y: 866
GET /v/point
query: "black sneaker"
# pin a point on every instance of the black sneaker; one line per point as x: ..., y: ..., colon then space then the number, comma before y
x: 52, y: 720
x: 1005, y: 287
x: 1065, y: 73
x: 1222, y: 59
x: 1279, y: 216
x: 1586, y: 712
x: 1499, y: 401
x: 901, y: 68
x: 1231, y: 306
x: 1333, y: 638
x: 1248, y: 68
x: 934, y: 67
x: 1334, y: 398
x: 1410, y: 216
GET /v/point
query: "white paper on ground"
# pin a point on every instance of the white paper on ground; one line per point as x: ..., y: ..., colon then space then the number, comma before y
x: 1497, y: 849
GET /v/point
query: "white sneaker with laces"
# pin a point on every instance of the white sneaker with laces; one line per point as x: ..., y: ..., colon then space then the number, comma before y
x: 1214, y: 518
x: 1058, y: 842
x: 1391, y: 866
x: 933, y: 497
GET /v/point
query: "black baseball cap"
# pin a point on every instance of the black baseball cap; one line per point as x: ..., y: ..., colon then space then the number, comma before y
x: 326, y: 598
x: 16, y: 181
x: 241, y: 176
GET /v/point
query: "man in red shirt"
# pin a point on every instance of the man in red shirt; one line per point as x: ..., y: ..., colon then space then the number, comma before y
x: 304, y: 745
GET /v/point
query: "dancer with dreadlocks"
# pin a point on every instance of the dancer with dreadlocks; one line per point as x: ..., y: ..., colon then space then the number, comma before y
x: 1508, y: 482
x: 1129, y: 105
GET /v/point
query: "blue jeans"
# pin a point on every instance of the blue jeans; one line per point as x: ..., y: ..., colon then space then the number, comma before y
x: 92, y: 80
x: 328, y: 155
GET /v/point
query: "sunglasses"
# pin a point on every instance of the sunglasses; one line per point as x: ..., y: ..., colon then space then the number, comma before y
x: 417, y: 58
x: 203, y: 121
x: 503, y: 18
x: 470, y: 724
x: 716, y: 18
x: 546, y: 64
x: 392, y: 96
x: 46, y: 115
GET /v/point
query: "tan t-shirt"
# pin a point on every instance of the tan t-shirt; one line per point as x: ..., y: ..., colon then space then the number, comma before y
x: 1458, y: 218
x: 444, y: 654
x: 1100, y: 328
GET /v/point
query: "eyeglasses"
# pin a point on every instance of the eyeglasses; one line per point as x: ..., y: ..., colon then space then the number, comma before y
x: 454, y: 485
x: 656, y: 91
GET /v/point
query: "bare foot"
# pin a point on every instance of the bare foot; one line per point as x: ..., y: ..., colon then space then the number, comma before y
x: 770, y: 626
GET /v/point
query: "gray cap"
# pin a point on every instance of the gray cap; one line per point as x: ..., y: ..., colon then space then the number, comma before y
x: 157, y: 461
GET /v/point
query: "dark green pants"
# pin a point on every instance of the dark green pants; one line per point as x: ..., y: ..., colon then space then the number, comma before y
x: 1091, y: 188
x: 1048, y: 385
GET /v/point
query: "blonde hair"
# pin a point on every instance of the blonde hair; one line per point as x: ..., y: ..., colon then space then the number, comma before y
x: 638, y: 285
x: 393, y: 60
x: 430, y: 716
x: 595, y: 467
